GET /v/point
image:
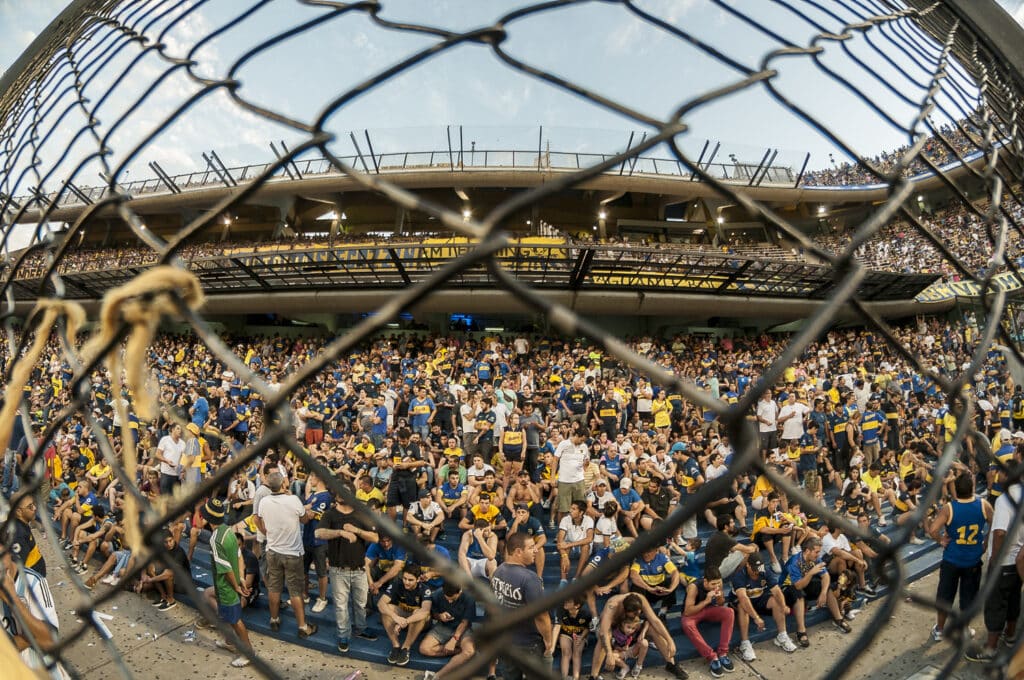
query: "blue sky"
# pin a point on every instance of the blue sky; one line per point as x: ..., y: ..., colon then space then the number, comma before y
x: 598, y: 45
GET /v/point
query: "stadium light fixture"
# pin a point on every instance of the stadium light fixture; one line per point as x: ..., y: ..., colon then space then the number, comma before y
x: 602, y: 215
x: 721, y: 220
x: 466, y: 213
x: 328, y: 216
x: 821, y: 210
x: 920, y: 198
x: 529, y: 222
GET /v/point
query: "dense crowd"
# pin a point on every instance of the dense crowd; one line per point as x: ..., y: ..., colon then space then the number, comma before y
x: 902, y: 247
x: 504, y: 443
x: 937, y: 149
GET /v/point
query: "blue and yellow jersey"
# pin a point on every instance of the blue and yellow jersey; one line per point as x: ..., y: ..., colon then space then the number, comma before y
x: 655, y: 572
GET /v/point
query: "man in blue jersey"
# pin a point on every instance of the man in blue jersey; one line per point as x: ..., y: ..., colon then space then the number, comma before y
x: 961, y: 527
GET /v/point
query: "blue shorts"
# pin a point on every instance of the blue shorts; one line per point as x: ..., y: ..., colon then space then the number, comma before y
x: 230, y: 613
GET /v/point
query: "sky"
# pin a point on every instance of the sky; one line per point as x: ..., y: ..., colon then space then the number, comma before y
x: 600, y: 46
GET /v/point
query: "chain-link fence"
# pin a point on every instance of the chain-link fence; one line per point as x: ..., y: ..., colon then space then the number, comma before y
x: 964, y: 77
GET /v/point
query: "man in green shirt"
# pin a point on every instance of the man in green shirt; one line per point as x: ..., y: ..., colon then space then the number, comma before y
x: 227, y: 578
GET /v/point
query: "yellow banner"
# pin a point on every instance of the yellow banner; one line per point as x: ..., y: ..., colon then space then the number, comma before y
x: 937, y: 292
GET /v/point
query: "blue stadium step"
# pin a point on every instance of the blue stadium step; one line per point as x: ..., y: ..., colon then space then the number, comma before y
x: 919, y: 561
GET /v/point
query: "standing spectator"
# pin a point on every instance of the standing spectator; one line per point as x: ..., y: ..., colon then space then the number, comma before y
x: 963, y: 522
x: 516, y: 586
x: 705, y: 602
x: 280, y: 517
x: 23, y: 543
x: 767, y: 422
x: 168, y: 454
x: 402, y: 491
x: 791, y: 418
x: 315, y: 548
x: 347, y: 535
x: 571, y: 457
x: 452, y: 612
x: 228, y: 586
x: 1002, y: 608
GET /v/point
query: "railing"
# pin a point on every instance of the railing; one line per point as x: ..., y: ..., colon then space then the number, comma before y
x: 436, y: 161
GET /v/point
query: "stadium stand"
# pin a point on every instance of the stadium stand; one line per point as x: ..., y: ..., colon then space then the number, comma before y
x: 358, y: 414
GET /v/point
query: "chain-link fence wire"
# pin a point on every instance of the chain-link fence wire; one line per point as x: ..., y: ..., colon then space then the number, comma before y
x: 961, y: 78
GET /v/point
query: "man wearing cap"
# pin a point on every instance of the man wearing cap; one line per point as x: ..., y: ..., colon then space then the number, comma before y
x: 425, y: 516
x: 758, y: 594
x: 280, y: 517
x: 228, y: 586
x: 631, y: 507
x: 598, y: 498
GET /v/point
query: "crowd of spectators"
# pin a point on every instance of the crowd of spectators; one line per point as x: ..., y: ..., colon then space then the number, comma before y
x: 937, y: 149
x: 508, y: 443
x: 901, y: 247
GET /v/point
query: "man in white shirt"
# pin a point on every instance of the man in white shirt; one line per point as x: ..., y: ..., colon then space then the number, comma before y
x: 843, y: 557
x: 280, y: 517
x: 1002, y: 608
x: 575, y: 536
x: 571, y: 458
x: 767, y: 422
x: 168, y: 454
x: 791, y: 417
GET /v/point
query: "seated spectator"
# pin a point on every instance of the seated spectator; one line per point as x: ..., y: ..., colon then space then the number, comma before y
x: 478, y: 550
x: 452, y: 613
x: 575, y: 536
x: 705, y: 602
x: 654, y: 576
x: 404, y: 607
x: 758, y: 594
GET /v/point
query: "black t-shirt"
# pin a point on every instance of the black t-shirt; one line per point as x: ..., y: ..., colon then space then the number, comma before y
x: 252, y: 567
x: 515, y: 586
x: 341, y: 554
x: 405, y: 454
x: 719, y: 545
x: 574, y: 625
x: 658, y: 502
x: 175, y: 556
x: 407, y: 600
x: 462, y: 609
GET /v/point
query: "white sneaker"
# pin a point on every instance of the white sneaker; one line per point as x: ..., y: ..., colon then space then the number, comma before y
x: 635, y: 673
x: 914, y: 540
x: 882, y: 522
x: 223, y: 644
x: 428, y: 675
x: 783, y: 642
x: 747, y: 651
x: 776, y: 567
x: 796, y: 550
x: 622, y: 673
x: 108, y: 579
x: 240, y: 662
x: 319, y: 605
x: 936, y: 634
